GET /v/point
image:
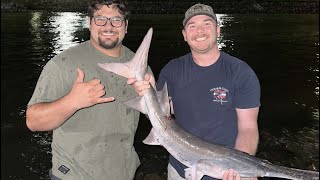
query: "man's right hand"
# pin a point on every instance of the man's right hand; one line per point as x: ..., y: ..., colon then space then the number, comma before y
x: 47, y: 116
x: 141, y: 87
x: 86, y: 94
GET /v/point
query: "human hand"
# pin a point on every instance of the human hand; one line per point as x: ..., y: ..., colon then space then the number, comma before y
x: 86, y: 94
x: 141, y: 87
x: 233, y: 175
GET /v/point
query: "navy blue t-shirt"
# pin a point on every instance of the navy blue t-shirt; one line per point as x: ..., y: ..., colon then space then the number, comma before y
x: 205, y: 98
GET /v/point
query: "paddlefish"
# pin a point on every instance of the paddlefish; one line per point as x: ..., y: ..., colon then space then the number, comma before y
x: 200, y: 156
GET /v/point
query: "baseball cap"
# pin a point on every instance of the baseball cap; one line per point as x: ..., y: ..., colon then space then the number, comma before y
x: 198, y: 9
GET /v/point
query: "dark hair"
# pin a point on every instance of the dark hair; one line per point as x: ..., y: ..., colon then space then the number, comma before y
x: 121, y: 5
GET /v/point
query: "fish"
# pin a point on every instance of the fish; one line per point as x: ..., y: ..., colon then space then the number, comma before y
x: 200, y: 156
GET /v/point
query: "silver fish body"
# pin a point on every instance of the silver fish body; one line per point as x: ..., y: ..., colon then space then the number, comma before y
x: 200, y: 156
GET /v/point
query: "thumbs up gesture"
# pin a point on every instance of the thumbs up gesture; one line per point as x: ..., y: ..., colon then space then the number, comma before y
x: 86, y: 94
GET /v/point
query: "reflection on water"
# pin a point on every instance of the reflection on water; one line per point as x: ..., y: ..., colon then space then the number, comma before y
x: 223, y: 20
x: 282, y: 49
x: 35, y: 23
x: 63, y: 26
x: 315, y: 69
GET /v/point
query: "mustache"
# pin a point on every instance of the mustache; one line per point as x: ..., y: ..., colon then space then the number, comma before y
x: 109, y: 31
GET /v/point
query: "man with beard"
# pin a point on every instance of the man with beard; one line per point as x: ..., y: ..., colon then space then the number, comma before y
x: 93, y: 131
x: 215, y: 96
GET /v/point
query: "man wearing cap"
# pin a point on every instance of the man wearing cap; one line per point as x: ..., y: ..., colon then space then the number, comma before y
x: 215, y: 96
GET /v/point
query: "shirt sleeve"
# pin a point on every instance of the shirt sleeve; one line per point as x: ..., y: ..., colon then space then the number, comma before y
x: 50, y: 86
x: 247, y: 88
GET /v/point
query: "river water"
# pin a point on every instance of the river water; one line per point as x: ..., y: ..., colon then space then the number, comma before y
x: 283, y: 49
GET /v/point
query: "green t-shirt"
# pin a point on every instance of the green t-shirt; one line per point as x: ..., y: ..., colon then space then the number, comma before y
x: 96, y: 142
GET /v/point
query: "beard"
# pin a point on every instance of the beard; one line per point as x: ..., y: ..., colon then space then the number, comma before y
x: 108, y: 44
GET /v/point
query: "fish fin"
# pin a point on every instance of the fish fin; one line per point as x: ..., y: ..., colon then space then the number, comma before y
x: 137, y: 66
x: 151, y: 139
x: 163, y: 99
x: 188, y: 173
x: 137, y: 105
x: 121, y: 69
x: 210, y: 168
x: 204, y: 167
x: 191, y: 173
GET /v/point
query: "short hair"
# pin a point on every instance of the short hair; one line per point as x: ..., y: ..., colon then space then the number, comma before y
x: 121, y: 5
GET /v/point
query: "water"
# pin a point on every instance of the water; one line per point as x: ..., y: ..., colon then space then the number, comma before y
x: 282, y: 49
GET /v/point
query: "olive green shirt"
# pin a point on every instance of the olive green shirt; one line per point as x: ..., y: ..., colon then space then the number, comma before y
x: 96, y: 143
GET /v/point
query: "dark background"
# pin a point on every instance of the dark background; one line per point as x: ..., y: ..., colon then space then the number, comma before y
x: 172, y: 6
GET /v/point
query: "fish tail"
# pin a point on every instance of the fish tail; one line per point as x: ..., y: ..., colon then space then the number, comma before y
x: 291, y: 173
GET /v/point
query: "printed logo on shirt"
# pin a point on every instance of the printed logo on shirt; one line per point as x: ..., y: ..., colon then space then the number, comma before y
x: 219, y: 94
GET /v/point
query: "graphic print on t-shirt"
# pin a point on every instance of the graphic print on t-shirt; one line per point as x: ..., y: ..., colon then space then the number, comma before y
x: 219, y: 94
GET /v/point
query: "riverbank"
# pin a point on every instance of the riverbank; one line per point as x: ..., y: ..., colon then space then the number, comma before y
x: 172, y: 7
